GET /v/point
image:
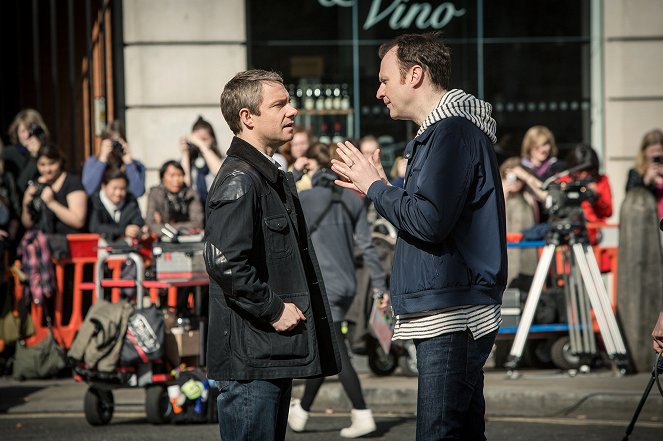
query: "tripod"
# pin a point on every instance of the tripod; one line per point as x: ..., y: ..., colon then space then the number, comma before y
x: 583, y: 288
x: 658, y: 369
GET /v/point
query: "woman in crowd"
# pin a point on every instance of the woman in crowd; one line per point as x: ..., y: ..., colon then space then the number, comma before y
x: 521, y: 213
x: 336, y: 216
x: 27, y: 133
x: 201, y: 158
x: 398, y: 172
x: 56, y: 203
x: 173, y: 202
x: 648, y: 170
x: 114, y: 152
x: 539, y: 152
x: 294, y: 152
x: 114, y: 212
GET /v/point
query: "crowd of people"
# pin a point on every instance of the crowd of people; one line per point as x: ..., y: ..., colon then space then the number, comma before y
x: 336, y: 185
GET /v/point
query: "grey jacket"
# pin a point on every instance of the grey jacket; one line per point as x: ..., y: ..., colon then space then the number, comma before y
x: 335, y: 237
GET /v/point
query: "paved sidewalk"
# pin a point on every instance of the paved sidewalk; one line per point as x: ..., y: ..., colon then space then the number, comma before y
x: 547, y: 393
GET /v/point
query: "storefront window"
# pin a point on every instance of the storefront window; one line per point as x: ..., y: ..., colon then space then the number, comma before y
x: 528, y: 58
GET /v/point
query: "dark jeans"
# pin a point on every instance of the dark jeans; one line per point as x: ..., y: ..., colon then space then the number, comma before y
x: 253, y: 410
x: 450, y: 403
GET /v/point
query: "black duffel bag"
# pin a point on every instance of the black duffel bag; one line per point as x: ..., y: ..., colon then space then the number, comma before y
x: 144, y: 339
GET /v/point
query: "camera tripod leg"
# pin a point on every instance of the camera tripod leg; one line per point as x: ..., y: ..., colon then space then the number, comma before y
x: 530, y: 307
x: 580, y: 334
x: 598, y: 298
x: 638, y: 409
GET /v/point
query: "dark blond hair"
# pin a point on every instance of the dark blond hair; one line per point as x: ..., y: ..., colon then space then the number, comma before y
x: 244, y: 90
x: 652, y: 137
x: 26, y: 117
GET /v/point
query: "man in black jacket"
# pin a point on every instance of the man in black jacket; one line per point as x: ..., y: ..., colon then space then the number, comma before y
x: 449, y: 267
x: 269, y: 316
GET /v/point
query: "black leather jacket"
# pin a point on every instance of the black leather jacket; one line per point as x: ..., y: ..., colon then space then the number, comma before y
x: 259, y: 255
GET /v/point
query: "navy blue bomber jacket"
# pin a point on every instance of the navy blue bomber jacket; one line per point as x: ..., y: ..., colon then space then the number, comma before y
x: 451, y: 247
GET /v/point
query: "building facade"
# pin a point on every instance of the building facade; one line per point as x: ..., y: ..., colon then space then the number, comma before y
x: 587, y: 69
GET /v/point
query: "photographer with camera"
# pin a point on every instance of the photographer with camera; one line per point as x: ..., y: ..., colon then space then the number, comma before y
x: 201, y: 158
x: 597, y: 203
x: 114, y: 152
x: 56, y: 202
x: 648, y: 170
x: 27, y: 133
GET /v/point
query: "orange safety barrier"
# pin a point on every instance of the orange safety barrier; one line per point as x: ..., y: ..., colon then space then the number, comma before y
x: 82, y: 255
x: 153, y: 287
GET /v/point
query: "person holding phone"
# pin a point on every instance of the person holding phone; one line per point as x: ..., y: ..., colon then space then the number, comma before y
x: 114, y: 152
x: 648, y: 170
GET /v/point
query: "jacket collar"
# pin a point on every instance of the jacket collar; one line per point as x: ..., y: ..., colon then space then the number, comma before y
x: 245, y: 151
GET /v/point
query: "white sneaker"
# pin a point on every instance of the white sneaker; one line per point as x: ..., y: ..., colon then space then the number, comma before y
x: 362, y: 424
x: 297, y: 417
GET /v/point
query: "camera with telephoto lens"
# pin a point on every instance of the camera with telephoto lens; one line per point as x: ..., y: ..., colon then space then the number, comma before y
x: 118, y: 148
x: 37, y: 131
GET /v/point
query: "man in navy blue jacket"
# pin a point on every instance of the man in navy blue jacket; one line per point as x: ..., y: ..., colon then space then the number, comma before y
x: 449, y: 268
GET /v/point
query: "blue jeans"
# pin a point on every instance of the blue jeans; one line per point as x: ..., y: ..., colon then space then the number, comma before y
x: 253, y: 410
x: 450, y: 403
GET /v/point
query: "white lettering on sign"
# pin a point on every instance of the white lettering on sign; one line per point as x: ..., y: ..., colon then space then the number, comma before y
x: 401, y: 14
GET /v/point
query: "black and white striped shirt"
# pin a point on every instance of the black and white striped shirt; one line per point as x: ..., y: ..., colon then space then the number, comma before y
x: 479, y: 319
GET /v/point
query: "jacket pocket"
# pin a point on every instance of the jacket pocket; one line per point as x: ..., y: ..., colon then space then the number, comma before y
x: 277, y: 236
x: 265, y: 346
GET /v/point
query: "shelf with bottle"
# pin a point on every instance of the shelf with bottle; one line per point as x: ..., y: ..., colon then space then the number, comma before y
x: 339, y: 112
x: 320, y: 98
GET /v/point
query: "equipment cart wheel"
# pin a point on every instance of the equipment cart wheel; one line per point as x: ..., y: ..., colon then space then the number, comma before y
x: 380, y: 363
x: 99, y: 406
x: 561, y: 355
x: 157, y: 405
x: 408, y: 360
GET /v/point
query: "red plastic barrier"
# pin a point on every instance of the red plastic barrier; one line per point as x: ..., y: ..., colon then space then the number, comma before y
x: 83, y: 254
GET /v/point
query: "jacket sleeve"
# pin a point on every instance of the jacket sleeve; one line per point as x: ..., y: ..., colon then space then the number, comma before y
x: 136, y: 174
x: 368, y: 251
x: 26, y: 175
x: 603, y: 204
x: 635, y: 180
x: 232, y: 227
x: 93, y: 172
x: 134, y: 217
x: 431, y: 212
x: 196, y: 215
x: 153, y: 206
